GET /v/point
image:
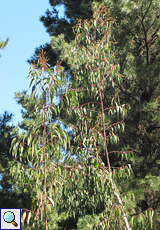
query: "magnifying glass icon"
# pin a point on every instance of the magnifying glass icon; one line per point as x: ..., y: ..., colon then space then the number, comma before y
x: 9, y: 217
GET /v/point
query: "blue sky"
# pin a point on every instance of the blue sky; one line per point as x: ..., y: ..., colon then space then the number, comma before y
x: 19, y: 20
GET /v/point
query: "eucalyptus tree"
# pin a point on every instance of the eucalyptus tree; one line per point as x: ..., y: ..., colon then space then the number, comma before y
x: 136, y: 31
x: 94, y: 98
x: 37, y: 150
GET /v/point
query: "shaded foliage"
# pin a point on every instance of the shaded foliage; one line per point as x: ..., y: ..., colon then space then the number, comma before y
x: 11, y: 195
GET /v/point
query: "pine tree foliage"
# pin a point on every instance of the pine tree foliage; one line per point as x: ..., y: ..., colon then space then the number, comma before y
x: 11, y: 195
x: 3, y: 44
x: 55, y: 26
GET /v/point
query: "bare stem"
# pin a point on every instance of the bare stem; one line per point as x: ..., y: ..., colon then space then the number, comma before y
x: 44, y: 148
x: 113, y: 185
x: 103, y: 123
